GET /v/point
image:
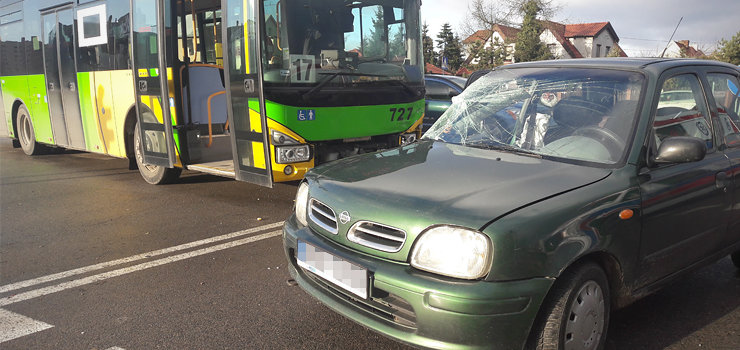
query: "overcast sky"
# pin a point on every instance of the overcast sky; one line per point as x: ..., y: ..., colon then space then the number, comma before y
x: 643, y: 26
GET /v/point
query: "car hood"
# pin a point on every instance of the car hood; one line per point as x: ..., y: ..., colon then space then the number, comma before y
x: 429, y: 183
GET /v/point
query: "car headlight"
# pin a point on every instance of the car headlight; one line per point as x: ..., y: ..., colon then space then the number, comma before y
x: 301, y: 203
x: 453, y: 251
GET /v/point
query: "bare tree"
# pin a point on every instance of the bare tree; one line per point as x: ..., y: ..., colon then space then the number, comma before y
x: 484, y: 14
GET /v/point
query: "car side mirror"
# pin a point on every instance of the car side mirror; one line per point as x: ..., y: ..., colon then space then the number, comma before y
x: 732, y: 140
x: 681, y: 149
x: 475, y: 76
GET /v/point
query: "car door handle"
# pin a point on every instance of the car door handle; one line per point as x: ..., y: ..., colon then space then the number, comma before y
x: 720, y: 179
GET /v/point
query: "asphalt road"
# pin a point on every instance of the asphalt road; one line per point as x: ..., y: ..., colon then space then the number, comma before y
x: 176, y: 267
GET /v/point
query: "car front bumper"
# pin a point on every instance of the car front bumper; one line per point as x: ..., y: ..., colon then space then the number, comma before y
x: 422, y: 309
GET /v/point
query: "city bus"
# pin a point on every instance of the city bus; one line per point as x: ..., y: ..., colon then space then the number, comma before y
x: 257, y: 90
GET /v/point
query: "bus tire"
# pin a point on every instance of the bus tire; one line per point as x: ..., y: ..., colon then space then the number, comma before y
x: 26, y: 134
x: 153, y: 174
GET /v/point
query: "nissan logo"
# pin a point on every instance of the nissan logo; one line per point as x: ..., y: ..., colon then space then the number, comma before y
x: 344, y: 217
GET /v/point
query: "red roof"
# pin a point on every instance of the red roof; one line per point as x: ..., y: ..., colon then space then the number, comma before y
x: 588, y: 29
x: 506, y: 32
x: 462, y: 71
x: 481, y: 35
x: 690, y: 51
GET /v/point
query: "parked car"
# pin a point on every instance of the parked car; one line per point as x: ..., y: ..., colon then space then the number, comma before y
x: 527, y: 232
x: 440, y: 91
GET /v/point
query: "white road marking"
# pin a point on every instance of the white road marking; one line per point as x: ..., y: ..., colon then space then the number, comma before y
x: 13, y: 325
x: 56, y: 276
x: 115, y: 348
x: 115, y: 273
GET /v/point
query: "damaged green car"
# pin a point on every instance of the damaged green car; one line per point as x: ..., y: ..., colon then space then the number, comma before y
x: 547, y: 195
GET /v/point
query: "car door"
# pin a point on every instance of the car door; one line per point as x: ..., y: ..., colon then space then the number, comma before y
x: 685, y: 207
x: 723, y: 91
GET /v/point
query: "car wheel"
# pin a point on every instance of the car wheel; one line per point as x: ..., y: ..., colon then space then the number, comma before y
x: 736, y: 258
x: 575, y: 314
x: 153, y: 174
x: 26, y: 134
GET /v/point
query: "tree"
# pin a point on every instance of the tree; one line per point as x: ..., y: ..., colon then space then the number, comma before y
x: 528, y: 44
x: 728, y: 51
x: 488, y: 57
x: 615, y: 52
x: 450, y: 46
x: 397, y: 46
x: 428, y: 46
x: 375, y: 42
x: 484, y: 14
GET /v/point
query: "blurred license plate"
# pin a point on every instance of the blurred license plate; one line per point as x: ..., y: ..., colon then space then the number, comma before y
x: 346, y: 275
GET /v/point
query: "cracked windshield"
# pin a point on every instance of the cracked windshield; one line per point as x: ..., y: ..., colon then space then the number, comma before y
x: 340, y: 42
x: 583, y: 115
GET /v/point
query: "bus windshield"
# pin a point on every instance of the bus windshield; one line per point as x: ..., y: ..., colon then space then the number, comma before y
x: 340, y: 42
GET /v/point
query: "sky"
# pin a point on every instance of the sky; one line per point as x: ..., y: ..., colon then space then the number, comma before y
x: 643, y: 26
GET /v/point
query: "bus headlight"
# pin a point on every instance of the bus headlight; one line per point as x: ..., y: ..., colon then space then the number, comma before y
x: 279, y: 138
x: 453, y: 251
x: 292, y: 154
x: 301, y: 203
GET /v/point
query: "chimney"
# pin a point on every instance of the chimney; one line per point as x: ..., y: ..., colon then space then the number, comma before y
x: 684, y: 42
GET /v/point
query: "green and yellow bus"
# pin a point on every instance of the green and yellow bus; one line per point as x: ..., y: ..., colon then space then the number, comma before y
x: 257, y: 90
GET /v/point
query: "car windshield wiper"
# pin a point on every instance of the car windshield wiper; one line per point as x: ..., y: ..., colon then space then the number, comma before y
x: 318, y: 88
x: 505, y: 148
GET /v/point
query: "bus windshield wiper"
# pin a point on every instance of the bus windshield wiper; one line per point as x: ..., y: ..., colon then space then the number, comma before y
x: 411, y: 91
x: 318, y: 88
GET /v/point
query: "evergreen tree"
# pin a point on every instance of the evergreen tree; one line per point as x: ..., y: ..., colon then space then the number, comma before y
x: 729, y: 51
x: 488, y: 57
x: 528, y: 44
x: 428, y: 50
x: 450, y: 46
x: 375, y: 42
x: 398, y: 43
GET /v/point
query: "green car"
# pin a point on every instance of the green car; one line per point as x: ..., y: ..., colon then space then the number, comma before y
x: 547, y: 195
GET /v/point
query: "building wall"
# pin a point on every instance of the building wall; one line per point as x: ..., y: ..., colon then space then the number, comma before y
x: 604, y: 39
x: 557, y: 49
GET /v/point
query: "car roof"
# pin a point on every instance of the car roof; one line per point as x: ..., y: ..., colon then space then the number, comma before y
x: 459, y: 81
x: 621, y: 63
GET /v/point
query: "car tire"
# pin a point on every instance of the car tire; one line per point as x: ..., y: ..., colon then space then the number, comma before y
x: 153, y: 174
x: 736, y: 258
x: 575, y: 310
x: 27, y: 135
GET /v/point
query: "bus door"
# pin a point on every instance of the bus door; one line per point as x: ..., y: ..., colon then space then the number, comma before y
x: 246, y: 107
x: 61, y: 77
x: 150, y: 75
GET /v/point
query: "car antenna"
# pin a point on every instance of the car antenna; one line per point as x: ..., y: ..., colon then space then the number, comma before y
x: 669, y: 40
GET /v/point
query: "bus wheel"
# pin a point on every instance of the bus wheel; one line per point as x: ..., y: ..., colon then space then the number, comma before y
x: 26, y: 135
x: 153, y: 174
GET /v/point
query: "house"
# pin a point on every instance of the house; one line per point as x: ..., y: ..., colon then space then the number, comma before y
x: 502, y: 33
x: 682, y: 48
x: 583, y: 40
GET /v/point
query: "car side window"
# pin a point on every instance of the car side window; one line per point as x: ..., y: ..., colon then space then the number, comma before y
x: 725, y: 91
x: 438, y: 91
x: 682, y: 110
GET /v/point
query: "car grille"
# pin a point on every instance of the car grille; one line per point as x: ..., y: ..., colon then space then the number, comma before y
x: 377, y: 236
x: 323, y: 216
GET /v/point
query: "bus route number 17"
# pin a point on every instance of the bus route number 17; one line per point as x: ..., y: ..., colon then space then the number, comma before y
x: 302, y: 69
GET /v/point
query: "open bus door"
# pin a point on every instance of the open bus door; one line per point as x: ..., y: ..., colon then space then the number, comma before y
x: 246, y: 104
x: 150, y: 75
